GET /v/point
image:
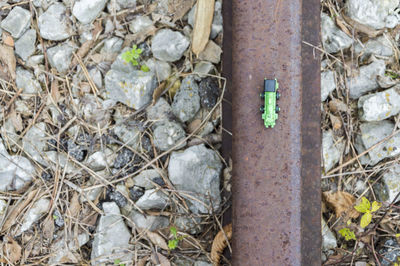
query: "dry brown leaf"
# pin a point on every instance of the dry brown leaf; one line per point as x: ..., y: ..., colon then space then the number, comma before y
x: 74, y: 205
x: 336, y: 122
x: 194, y: 125
x: 157, y: 240
x: 142, y: 261
x: 17, y: 209
x: 202, y: 25
x: 12, y: 250
x: 8, y: 63
x: 16, y: 120
x: 55, y: 93
x: 372, y: 33
x: 158, y: 92
x: 139, y: 37
x: 219, y: 243
x: 82, y: 51
x: 48, y: 227
x: 160, y: 260
x: 341, y: 202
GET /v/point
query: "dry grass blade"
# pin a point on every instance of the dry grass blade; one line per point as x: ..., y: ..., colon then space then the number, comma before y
x: 341, y: 202
x: 202, y: 25
x: 10, y: 220
x: 220, y: 243
x: 372, y: 33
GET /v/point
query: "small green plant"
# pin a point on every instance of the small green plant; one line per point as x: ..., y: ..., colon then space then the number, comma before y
x: 347, y: 234
x: 173, y: 243
x: 133, y: 57
x: 118, y: 262
x: 367, y: 208
x: 392, y: 74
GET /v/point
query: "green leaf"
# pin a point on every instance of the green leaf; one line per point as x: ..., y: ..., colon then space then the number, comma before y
x: 145, y: 68
x: 55, y: 217
x: 173, y: 231
x: 347, y: 234
x: 366, y: 219
x: 172, y: 244
x: 364, y: 205
x: 117, y: 262
x: 139, y: 51
x: 134, y: 62
x: 375, y: 206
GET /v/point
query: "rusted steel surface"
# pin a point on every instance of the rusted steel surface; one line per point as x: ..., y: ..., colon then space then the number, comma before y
x: 276, y: 172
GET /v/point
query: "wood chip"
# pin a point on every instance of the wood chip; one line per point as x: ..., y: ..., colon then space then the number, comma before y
x: 220, y: 243
x: 202, y: 25
x: 8, y: 40
x: 157, y: 240
x: 341, y: 202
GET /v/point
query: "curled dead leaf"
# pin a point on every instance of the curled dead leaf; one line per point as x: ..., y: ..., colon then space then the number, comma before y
x: 202, y: 25
x: 157, y: 240
x: 341, y: 202
x: 8, y: 63
x: 12, y: 250
x: 220, y: 243
x: 337, y: 106
x: 336, y: 122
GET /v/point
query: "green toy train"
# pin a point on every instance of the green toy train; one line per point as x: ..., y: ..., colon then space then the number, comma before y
x: 270, y: 109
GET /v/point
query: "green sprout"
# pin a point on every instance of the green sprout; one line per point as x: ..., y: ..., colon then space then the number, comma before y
x: 173, y: 243
x: 133, y: 57
x: 118, y: 262
x: 347, y: 234
x: 367, y: 208
x: 391, y: 74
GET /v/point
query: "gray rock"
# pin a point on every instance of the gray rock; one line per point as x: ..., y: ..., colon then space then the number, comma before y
x: 328, y: 238
x: 96, y: 76
x: 114, y: 6
x: 380, y: 46
x: 333, y: 38
x: 212, y: 53
x: 366, y: 80
x: 100, y: 160
x: 17, y: 21
x: 60, y: 57
x: 167, y: 135
x: 87, y: 10
x: 54, y: 24
x: 121, y: 65
x: 196, y: 171
x: 374, y: 132
x: 149, y: 222
x: 203, y: 68
x: 379, y: 106
x: 189, y: 224
x: 25, y: 46
x: 95, y: 111
x: 111, y: 240
x: 129, y: 135
x: 112, y: 45
x: 202, y: 263
x: 43, y: 3
x: 187, y: 100
x: 61, y: 254
x: 152, y: 199
x: 140, y: 23
x: 328, y: 84
x: 168, y: 45
x: 160, y: 111
x: 15, y: 171
x: 145, y: 178
x: 377, y: 14
x: 392, y: 182
x: 134, y: 89
x: 39, y: 208
x: 209, y: 92
x: 162, y: 70
x: 34, y: 142
x: 26, y: 81
x: 331, y: 150
x: 55, y: 159
x: 390, y: 251
x: 216, y: 26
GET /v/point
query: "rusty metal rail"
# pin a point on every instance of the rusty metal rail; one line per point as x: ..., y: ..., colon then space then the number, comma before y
x: 276, y: 175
